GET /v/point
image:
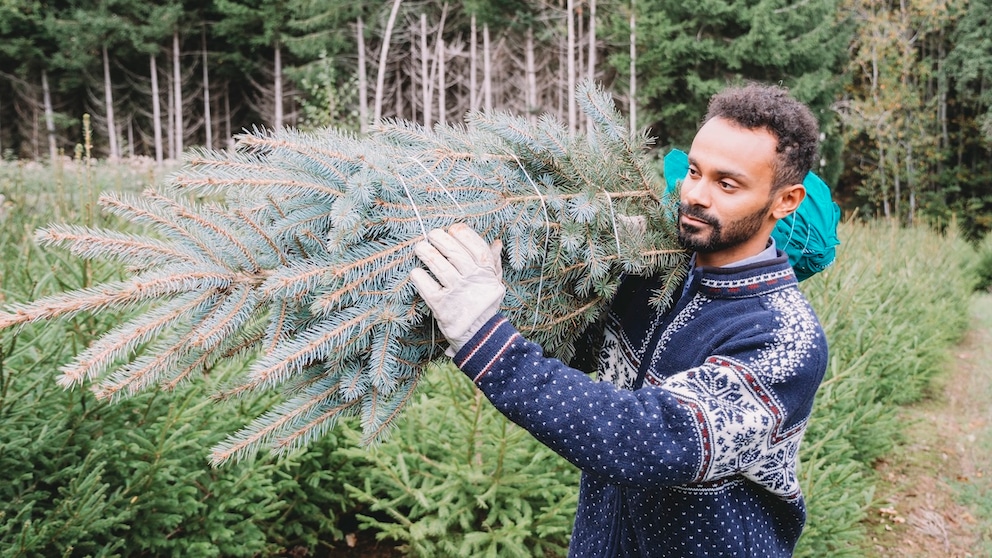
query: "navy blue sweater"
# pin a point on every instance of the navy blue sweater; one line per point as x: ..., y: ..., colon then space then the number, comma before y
x: 688, y: 441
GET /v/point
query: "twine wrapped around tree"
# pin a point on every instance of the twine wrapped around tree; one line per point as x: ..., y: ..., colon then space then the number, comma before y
x: 294, y: 250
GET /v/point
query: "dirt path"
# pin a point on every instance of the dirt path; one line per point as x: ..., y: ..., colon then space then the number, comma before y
x: 937, y: 487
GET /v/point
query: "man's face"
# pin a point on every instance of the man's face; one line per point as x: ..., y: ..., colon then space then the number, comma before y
x: 725, y: 214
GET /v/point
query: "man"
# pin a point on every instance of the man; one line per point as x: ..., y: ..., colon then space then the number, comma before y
x: 688, y: 442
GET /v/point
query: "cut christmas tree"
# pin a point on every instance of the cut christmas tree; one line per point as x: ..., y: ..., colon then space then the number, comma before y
x: 294, y: 250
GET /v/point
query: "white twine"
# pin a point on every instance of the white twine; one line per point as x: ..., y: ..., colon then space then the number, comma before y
x: 416, y: 211
x: 613, y: 220
x: 547, y: 240
x: 443, y: 188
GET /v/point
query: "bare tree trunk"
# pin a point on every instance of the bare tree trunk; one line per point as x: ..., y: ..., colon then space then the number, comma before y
x: 570, y: 54
x: 531, y: 76
x: 441, y: 116
x: 633, y: 68
x: 398, y: 106
x: 156, y: 109
x: 942, y: 98
x: 383, y: 58
x: 130, y: 138
x: 911, y: 184
x: 897, y: 188
x: 473, y: 63
x: 108, y: 99
x: 882, y: 186
x: 487, y: 70
x: 207, y: 122
x: 227, y: 117
x: 591, y: 65
x: 579, y: 33
x: 170, y: 117
x: 437, y: 61
x: 277, y: 120
x: 53, y: 151
x: 591, y: 70
x: 177, y: 86
x: 425, y: 94
x: 363, y: 82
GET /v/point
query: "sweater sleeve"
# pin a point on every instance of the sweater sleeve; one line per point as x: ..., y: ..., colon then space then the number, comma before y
x: 702, y: 425
x: 643, y: 437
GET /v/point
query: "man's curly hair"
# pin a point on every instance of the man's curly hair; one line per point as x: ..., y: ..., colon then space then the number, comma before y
x: 757, y: 106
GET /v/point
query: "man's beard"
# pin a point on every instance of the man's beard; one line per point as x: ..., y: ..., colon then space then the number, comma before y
x: 722, y: 236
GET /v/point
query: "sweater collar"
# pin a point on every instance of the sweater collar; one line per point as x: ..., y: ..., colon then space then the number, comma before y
x: 749, y: 279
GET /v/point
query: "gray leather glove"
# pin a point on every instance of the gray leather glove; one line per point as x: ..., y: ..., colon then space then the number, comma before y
x: 469, y: 287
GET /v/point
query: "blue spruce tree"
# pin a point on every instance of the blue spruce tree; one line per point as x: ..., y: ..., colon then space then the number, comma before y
x: 294, y: 250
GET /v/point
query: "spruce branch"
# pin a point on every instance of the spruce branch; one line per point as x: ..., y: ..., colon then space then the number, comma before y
x: 293, y: 252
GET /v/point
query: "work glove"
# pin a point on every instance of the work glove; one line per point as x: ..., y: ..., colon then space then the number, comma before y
x: 469, y: 281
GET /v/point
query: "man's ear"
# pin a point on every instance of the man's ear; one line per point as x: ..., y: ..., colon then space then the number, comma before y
x: 787, y: 200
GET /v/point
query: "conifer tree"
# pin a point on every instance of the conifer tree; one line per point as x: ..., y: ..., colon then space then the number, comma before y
x: 294, y: 250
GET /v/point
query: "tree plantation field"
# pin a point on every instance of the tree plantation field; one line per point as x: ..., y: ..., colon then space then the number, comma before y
x: 82, y: 477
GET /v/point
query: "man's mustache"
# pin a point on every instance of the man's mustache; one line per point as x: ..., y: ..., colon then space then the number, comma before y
x: 697, y: 212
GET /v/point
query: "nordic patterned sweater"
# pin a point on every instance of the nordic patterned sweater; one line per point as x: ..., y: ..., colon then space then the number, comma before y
x: 688, y: 442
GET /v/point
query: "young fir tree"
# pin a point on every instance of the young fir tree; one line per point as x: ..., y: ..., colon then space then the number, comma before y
x: 295, y: 249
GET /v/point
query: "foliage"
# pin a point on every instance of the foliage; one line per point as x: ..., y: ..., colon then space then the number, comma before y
x: 83, y: 477
x: 983, y: 265
x: 969, y: 62
x: 305, y: 262
x: 892, y: 305
x: 327, y: 101
x: 459, y: 479
x: 688, y: 52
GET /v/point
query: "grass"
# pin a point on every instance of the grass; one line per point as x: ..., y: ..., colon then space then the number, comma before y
x: 892, y: 306
x: 975, y: 489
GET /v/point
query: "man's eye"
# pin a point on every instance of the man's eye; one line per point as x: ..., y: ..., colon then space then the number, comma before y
x: 728, y: 186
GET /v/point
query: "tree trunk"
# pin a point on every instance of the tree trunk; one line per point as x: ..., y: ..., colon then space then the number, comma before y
x: 53, y: 151
x: 207, y: 122
x: 227, y: 117
x: 632, y: 106
x: 177, y: 87
x: 897, y: 188
x: 579, y: 33
x: 487, y: 70
x: 441, y: 85
x: 380, y: 82
x: 942, y: 98
x: 425, y: 95
x: 108, y: 99
x: 437, y: 64
x: 170, y: 116
x: 591, y: 65
x: 911, y: 184
x: 570, y: 62
x: 881, y: 173
x: 531, y: 76
x: 363, y: 82
x: 130, y: 138
x: 473, y: 63
x: 277, y: 86
x: 156, y: 110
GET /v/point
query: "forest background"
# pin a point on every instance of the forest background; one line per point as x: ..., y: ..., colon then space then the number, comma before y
x: 902, y: 88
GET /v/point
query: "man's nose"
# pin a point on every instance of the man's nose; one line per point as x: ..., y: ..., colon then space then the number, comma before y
x: 696, y: 192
